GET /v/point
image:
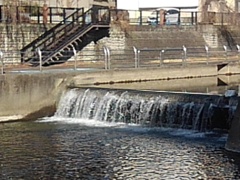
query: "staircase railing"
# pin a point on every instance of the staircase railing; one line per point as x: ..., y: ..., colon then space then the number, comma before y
x: 75, y: 22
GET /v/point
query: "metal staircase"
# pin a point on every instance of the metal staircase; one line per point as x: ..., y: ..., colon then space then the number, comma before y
x: 74, y: 32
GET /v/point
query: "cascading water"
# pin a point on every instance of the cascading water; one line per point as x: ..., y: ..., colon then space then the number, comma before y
x: 189, y: 111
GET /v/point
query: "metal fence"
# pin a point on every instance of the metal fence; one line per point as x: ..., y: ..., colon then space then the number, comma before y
x: 34, y: 14
x: 184, y: 18
x: 107, y: 58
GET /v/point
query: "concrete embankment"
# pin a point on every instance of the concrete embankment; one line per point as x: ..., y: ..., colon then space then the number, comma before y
x: 30, y: 96
x: 120, y: 76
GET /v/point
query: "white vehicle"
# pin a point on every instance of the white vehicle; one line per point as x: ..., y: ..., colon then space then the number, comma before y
x: 171, y: 16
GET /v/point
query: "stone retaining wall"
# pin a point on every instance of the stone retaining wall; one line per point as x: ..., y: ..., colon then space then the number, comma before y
x: 16, y: 36
x: 122, y: 39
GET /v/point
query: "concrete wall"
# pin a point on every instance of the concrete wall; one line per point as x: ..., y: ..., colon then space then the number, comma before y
x: 16, y: 36
x: 121, y: 76
x: 123, y: 37
x: 27, y: 96
x: 144, y: 74
x: 233, y: 142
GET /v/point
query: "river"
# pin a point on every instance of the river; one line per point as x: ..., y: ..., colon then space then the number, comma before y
x: 71, y: 148
x: 62, y: 147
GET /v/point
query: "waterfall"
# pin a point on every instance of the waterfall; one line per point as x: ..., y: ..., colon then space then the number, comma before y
x: 158, y: 109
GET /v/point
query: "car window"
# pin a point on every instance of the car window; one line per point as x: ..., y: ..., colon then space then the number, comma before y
x: 172, y: 11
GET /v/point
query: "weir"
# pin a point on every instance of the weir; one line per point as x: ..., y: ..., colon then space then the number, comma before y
x: 201, y: 112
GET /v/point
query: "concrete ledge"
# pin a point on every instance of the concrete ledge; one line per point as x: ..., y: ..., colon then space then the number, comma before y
x: 29, y: 96
x: 138, y: 75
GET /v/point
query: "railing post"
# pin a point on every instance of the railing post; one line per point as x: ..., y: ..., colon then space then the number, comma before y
x: 93, y: 15
x: 50, y: 14
x: 136, y: 56
x: 238, y: 49
x: 107, y: 57
x: 157, y: 16
x: 39, y: 52
x: 83, y: 17
x: 196, y: 16
x: 1, y: 10
x: 226, y: 52
x: 161, y: 57
x: 64, y: 15
x: 192, y: 18
x: 75, y: 58
x: 184, y: 55
x: 22, y: 58
x: 207, y: 53
x: 38, y: 15
x: 2, y: 63
x: 77, y: 16
x: 140, y: 20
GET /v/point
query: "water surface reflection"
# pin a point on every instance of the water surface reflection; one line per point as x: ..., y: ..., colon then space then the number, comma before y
x: 74, y: 149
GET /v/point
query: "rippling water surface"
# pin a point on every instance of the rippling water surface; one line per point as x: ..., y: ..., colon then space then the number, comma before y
x: 86, y: 149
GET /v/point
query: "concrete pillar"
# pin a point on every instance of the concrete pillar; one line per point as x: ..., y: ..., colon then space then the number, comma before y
x: 162, y: 17
x: 233, y: 141
x: 45, y: 14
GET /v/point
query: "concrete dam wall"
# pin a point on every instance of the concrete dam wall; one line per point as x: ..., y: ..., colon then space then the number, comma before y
x: 29, y: 96
x: 25, y: 94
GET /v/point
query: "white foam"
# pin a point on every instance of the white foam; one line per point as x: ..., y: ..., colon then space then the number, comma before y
x: 10, y: 118
x: 130, y: 127
x: 81, y: 121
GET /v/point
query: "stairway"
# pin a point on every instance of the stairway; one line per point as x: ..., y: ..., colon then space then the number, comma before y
x: 58, y: 44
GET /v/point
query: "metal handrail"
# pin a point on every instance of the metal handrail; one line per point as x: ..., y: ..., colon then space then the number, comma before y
x: 52, y: 30
x: 185, y: 51
x: 131, y: 58
x: 61, y: 31
x: 43, y: 40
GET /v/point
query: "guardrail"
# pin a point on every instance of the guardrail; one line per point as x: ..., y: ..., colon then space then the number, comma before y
x: 182, y: 55
x: 35, y: 14
x: 107, y: 58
